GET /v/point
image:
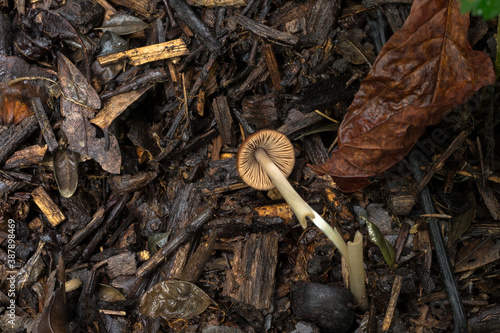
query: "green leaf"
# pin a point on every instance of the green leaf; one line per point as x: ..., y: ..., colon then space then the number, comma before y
x: 385, y: 247
x: 485, y: 8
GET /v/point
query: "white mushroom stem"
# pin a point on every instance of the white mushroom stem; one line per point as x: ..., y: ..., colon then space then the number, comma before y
x: 352, y: 253
x: 298, y: 205
x: 357, y: 271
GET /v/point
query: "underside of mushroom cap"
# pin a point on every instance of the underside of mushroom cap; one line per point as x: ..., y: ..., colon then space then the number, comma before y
x: 277, y: 147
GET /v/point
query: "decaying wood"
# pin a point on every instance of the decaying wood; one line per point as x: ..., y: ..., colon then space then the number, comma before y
x: 196, y: 263
x: 224, y: 120
x: 32, y: 155
x: 121, y: 264
x: 217, y: 3
x: 282, y: 210
x: 142, y: 55
x: 47, y: 206
x: 129, y: 183
x: 200, y: 29
x: 272, y: 65
x: 79, y: 236
x: 251, y: 278
x: 110, y: 219
x: 145, y: 79
x: 264, y: 31
x: 389, y: 313
x: 444, y: 156
x: 143, y: 7
x: 47, y: 132
x: 11, y: 138
x: 173, y: 245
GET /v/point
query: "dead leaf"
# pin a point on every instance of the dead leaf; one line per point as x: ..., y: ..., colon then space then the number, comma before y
x: 82, y: 137
x: 423, y: 71
x: 74, y: 85
x: 66, y: 171
x: 123, y: 24
x: 477, y: 253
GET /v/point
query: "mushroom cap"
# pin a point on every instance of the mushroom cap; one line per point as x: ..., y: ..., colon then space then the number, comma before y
x: 278, y: 148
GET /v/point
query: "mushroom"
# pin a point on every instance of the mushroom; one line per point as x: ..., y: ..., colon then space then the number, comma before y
x: 264, y: 160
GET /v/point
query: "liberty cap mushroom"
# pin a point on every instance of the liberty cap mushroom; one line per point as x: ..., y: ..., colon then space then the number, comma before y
x: 264, y: 161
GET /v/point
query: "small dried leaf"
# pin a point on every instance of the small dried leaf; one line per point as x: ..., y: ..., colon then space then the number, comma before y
x: 111, y: 43
x: 123, y: 24
x: 74, y: 85
x: 157, y: 241
x: 54, y: 317
x: 174, y: 300
x: 109, y: 294
x: 66, y: 171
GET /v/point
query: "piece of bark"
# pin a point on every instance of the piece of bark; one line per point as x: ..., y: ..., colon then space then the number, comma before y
x: 110, y: 219
x: 477, y: 253
x: 489, y: 199
x: 272, y: 66
x: 321, y: 21
x: 79, y: 236
x: 5, y: 35
x: 143, y: 7
x: 266, y: 32
x: 196, y: 263
x: 252, y: 276
x: 43, y: 121
x: 257, y: 75
x: 260, y: 111
x: 145, y: 79
x: 223, y: 119
x: 174, y: 244
x: 217, y: 3
x: 142, y: 55
x: 122, y: 264
x: 282, y: 210
x: 297, y: 121
x: 396, y: 288
x: 47, y: 206
x: 15, y: 135
x: 200, y: 29
x: 32, y: 155
x: 401, y: 240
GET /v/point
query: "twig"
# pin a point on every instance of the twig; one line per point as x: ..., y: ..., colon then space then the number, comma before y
x: 459, y: 319
x: 389, y: 314
x: 439, y: 163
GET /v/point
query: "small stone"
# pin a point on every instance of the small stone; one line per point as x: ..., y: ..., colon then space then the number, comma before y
x: 329, y: 307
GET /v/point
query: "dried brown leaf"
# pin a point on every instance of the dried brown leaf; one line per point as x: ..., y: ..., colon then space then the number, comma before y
x: 82, y: 137
x: 424, y: 71
x: 74, y: 85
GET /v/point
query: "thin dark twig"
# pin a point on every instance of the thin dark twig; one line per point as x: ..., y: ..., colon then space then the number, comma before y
x: 459, y: 319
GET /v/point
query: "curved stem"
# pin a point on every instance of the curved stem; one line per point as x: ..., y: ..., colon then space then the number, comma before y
x: 352, y: 253
x: 298, y: 205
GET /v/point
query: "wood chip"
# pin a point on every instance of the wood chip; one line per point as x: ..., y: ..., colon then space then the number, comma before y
x: 142, y: 55
x: 47, y: 206
x: 389, y: 314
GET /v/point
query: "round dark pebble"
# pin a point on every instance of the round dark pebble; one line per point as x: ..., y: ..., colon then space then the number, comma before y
x: 329, y: 307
